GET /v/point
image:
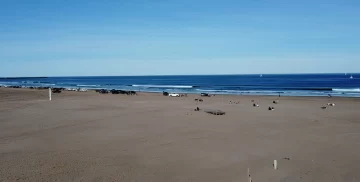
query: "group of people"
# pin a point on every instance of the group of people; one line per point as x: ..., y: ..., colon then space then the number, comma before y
x: 271, y: 108
x: 329, y: 104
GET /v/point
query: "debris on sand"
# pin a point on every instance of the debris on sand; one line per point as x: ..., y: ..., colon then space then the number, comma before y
x: 214, y: 112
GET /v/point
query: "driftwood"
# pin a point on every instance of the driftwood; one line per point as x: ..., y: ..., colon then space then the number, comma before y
x: 214, y: 112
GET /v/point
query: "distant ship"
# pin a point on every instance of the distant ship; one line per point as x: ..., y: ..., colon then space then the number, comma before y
x: 260, y: 75
x: 351, y: 77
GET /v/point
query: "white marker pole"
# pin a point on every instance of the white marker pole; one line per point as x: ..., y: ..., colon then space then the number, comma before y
x: 275, y: 164
x: 50, y: 94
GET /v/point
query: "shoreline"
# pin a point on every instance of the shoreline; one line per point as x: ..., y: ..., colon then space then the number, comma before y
x: 189, y: 93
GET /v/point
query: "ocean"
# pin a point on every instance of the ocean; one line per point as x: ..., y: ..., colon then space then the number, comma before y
x: 344, y: 85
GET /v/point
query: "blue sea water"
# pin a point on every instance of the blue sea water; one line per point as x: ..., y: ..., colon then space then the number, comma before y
x: 267, y: 84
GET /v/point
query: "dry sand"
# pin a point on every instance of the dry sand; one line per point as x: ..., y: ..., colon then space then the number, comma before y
x: 149, y: 137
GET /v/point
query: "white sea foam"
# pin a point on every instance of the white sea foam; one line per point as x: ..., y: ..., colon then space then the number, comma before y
x: 13, y: 83
x: 205, y: 90
x: 242, y: 91
x: 88, y: 85
x: 163, y: 86
x: 47, y: 84
x: 347, y: 90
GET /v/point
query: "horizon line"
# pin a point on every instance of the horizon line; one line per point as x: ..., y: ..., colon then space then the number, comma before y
x: 178, y: 75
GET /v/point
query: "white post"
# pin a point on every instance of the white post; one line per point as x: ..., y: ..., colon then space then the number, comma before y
x: 275, y: 164
x: 50, y: 94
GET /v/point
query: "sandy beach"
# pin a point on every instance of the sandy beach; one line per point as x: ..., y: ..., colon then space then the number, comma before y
x: 150, y: 137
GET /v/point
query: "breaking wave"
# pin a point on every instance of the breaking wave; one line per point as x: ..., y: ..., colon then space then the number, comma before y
x: 163, y: 86
x: 88, y: 85
x: 346, y: 90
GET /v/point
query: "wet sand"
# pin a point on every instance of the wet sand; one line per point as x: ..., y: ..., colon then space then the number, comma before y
x: 150, y: 137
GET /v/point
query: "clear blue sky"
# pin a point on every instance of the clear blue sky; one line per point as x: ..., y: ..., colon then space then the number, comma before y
x: 130, y: 37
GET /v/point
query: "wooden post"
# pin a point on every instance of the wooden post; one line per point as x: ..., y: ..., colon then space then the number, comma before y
x: 50, y: 94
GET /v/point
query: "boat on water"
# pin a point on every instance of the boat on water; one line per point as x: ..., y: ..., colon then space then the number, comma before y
x: 351, y: 77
